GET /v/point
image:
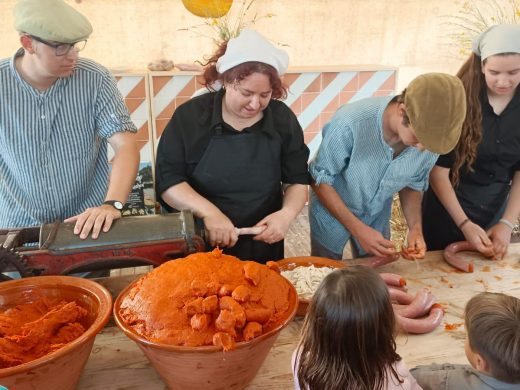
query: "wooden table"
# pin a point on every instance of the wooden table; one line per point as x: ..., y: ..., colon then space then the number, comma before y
x: 117, y: 363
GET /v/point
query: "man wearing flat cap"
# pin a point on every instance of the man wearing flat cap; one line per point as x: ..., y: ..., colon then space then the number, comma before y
x: 57, y: 113
x: 373, y: 149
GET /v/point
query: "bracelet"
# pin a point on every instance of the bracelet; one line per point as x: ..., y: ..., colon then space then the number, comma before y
x: 507, y: 223
x: 460, y: 225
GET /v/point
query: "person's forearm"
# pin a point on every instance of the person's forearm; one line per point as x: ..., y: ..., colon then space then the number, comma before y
x: 123, y: 173
x: 512, y: 211
x: 411, y: 206
x: 335, y: 205
x: 441, y: 186
x: 183, y: 197
x: 294, y: 198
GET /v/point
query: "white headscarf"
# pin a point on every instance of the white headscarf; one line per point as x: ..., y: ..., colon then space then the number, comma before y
x: 499, y: 39
x: 251, y: 46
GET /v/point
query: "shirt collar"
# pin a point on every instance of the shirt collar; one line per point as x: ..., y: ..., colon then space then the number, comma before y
x: 33, y: 91
x: 213, y: 112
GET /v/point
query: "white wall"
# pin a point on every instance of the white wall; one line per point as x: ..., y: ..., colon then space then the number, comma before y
x: 408, y: 34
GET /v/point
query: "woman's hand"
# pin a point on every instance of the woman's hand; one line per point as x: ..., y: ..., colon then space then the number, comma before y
x: 220, y: 230
x: 373, y: 242
x: 479, y: 238
x: 416, y: 248
x: 500, y: 235
x: 277, y: 224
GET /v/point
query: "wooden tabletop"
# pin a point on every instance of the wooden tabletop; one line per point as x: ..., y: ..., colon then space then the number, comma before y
x: 117, y: 363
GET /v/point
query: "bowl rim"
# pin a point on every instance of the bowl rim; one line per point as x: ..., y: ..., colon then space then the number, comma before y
x: 100, y: 293
x: 290, y: 263
x: 140, y: 340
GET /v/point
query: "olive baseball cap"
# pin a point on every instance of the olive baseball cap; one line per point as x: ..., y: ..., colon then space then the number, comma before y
x: 52, y: 20
x: 436, y: 106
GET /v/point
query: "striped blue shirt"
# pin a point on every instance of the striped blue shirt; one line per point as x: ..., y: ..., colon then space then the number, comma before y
x: 355, y: 159
x: 53, y: 144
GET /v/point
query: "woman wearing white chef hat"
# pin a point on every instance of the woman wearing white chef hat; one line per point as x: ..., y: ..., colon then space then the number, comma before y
x: 236, y: 155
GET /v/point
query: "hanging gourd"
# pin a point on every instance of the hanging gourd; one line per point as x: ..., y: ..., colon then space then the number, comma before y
x: 208, y: 8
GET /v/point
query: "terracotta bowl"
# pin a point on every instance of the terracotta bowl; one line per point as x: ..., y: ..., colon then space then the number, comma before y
x: 61, y: 369
x: 207, y: 367
x: 291, y: 263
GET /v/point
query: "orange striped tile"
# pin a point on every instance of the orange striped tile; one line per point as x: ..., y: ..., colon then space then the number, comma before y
x: 167, y: 112
x: 307, y: 99
x: 296, y: 107
x: 289, y: 78
x: 382, y: 93
x: 308, y: 136
x: 138, y: 91
x: 364, y: 77
x: 189, y: 89
x: 344, y: 97
x: 325, y: 118
x: 327, y: 78
x: 180, y: 100
x: 353, y: 85
x: 160, y: 124
x: 143, y: 134
x: 314, y: 126
x: 133, y: 104
x: 389, y: 84
x: 333, y: 105
x: 159, y: 82
x: 315, y: 86
x: 141, y: 144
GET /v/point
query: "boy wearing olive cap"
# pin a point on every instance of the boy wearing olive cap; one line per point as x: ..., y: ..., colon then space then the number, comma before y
x: 57, y: 114
x: 372, y: 149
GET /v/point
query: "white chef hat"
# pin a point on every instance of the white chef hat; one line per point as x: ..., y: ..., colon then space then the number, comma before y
x: 251, y: 46
x: 499, y: 39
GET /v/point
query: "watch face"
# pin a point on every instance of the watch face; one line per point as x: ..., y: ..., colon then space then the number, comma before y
x: 118, y: 205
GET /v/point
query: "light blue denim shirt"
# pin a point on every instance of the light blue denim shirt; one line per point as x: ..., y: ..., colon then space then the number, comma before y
x: 355, y: 159
x: 53, y: 144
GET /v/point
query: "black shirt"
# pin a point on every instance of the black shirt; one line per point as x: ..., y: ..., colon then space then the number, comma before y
x: 498, y: 154
x: 188, y: 133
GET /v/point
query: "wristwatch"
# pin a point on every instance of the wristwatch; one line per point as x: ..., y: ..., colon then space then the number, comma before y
x: 115, y: 204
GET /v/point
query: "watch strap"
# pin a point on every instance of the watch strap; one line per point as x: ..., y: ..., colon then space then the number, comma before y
x: 115, y: 204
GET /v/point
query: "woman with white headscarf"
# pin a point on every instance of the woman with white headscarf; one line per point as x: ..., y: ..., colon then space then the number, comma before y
x: 475, y: 189
x: 236, y: 156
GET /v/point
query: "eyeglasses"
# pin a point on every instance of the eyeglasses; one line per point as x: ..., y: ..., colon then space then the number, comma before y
x: 62, y: 49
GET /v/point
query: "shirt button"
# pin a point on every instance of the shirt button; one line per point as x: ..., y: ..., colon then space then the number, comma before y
x: 43, y: 117
x: 497, y: 141
x: 491, y: 176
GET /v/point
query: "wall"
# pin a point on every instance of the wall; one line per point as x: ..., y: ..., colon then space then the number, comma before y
x: 407, y: 34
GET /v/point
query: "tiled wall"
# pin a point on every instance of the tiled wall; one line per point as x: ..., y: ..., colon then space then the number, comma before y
x: 313, y: 96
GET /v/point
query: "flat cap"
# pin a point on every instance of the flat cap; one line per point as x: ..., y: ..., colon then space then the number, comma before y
x: 436, y: 106
x: 52, y: 20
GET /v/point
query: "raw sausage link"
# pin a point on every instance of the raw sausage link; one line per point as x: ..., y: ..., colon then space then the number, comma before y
x: 451, y: 257
x: 374, y: 262
x: 422, y: 325
x: 399, y: 296
x: 393, y: 279
x: 420, y: 305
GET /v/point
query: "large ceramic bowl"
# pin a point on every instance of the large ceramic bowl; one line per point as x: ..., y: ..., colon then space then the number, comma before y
x: 61, y: 369
x: 291, y: 263
x: 207, y: 367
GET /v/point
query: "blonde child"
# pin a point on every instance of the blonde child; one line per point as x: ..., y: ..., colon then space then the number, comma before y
x: 348, y: 336
x: 492, y: 347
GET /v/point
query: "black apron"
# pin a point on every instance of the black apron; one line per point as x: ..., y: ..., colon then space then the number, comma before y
x: 241, y: 175
x: 484, y: 205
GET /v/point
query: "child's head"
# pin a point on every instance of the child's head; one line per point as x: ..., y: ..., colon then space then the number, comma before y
x: 348, y: 333
x: 493, y: 328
